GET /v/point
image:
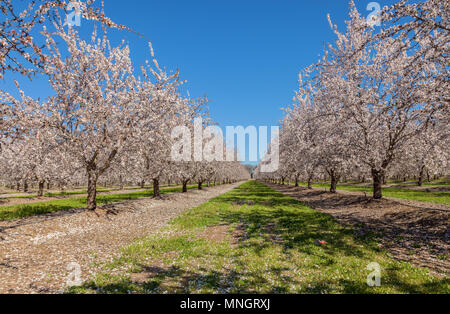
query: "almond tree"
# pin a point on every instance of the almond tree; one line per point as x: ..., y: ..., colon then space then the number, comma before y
x: 20, y: 49
x: 328, y: 135
x: 303, y: 136
x: 159, y: 97
x: 375, y: 98
x: 427, y: 24
x: 386, y: 101
x: 93, y: 112
x: 289, y: 159
x: 101, y: 122
x: 427, y: 154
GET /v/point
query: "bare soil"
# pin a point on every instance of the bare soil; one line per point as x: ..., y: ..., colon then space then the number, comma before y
x: 411, y: 231
x: 38, y: 254
x: 215, y: 233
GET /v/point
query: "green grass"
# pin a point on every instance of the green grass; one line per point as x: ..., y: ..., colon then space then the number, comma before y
x: 276, y: 253
x: 38, y: 208
x: 403, y: 193
x: 80, y: 192
x: 54, y: 194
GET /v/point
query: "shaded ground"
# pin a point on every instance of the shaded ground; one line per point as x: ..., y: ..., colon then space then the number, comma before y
x: 412, y: 231
x: 420, y: 188
x: 36, y: 253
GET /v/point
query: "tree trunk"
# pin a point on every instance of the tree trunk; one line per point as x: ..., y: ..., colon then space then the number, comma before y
x: 310, y: 183
x: 48, y: 185
x: 334, y: 182
x: 142, y: 184
x: 156, y: 192
x: 421, y: 173
x: 377, y: 176
x: 92, y: 191
x: 296, y: 182
x: 25, y: 186
x: 41, y: 188
x: 18, y: 187
x: 185, y: 186
x: 120, y: 183
x: 200, y: 185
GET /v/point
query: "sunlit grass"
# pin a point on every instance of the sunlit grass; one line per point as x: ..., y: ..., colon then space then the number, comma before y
x: 403, y: 193
x: 25, y: 210
x: 79, y: 192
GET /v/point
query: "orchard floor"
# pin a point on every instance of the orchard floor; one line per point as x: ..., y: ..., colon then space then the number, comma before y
x: 411, y: 231
x: 39, y: 254
x: 254, y: 239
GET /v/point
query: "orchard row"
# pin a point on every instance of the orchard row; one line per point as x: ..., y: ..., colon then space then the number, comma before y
x: 376, y: 105
x: 102, y: 122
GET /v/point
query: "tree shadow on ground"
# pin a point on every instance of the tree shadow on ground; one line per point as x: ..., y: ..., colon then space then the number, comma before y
x: 181, y: 281
x: 176, y: 280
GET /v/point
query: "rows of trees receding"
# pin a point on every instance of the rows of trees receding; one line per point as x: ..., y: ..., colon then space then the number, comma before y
x: 376, y: 105
x: 104, y: 122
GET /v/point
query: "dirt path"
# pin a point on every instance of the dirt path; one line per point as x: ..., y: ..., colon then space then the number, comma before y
x: 39, y: 254
x: 412, y: 231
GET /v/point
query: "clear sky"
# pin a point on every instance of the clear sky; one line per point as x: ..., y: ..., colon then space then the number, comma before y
x: 244, y: 54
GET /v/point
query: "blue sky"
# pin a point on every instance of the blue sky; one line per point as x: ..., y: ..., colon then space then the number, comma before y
x: 244, y: 54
